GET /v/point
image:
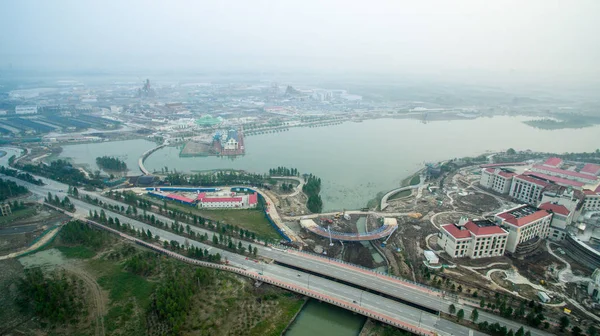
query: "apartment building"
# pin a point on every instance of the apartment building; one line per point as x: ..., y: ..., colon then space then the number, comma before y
x: 498, y: 180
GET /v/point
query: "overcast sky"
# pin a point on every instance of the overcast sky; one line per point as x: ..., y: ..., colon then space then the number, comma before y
x: 526, y: 36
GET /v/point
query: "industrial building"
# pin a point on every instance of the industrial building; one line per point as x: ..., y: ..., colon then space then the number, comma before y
x: 526, y: 226
x: 26, y: 109
x: 473, y: 238
x: 233, y: 200
x: 206, y: 197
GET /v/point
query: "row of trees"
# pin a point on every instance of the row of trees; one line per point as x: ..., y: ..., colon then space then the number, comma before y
x: 79, y: 233
x: 111, y: 163
x: 9, y: 189
x: 312, y: 188
x: 217, y: 178
x: 175, y: 214
x: 21, y: 176
x: 283, y: 171
x: 63, y: 171
x: 65, y: 203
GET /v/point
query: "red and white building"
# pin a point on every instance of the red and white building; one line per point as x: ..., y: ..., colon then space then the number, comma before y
x: 527, y: 189
x: 497, y: 179
x: 473, y: 238
x: 561, y: 218
x: 524, y: 223
x: 230, y: 201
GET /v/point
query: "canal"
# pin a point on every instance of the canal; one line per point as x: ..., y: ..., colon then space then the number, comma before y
x: 319, y: 318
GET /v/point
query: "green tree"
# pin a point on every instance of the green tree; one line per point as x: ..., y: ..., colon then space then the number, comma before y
x: 564, y: 323
x: 460, y: 315
x: 474, y: 315
x: 482, y: 303
x: 215, y: 240
x: 520, y: 332
x: 576, y: 331
x: 511, y: 151
x: 452, y: 309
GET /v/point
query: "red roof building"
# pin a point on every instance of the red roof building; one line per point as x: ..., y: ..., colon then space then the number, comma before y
x: 524, y: 223
x: 474, y: 239
x: 555, y: 208
x: 557, y: 180
x: 586, y: 178
x: 180, y: 198
x: 590, y: 168
x: 553, y: 162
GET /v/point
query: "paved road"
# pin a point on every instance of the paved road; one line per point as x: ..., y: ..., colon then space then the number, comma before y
x: 350, y: 273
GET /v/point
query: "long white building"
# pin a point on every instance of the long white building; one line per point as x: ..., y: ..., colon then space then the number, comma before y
x: 26, y: 109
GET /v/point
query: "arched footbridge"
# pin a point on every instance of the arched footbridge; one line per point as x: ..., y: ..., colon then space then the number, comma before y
x: 389, y: 226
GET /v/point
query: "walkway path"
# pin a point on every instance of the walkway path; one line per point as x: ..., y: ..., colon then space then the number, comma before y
x: 145, y: 155
x: 384, y: 200
x: 385, y: 230
x: 49, y: 235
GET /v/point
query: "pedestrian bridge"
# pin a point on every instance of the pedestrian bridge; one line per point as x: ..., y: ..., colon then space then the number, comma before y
x: 389, y: 226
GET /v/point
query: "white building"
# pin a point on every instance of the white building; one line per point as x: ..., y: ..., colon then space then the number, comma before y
x: 432, y: 259
x: 473, y: 238
x: 497, y: 180
x: 527, y: 189
x: 523, y: 224
x: 591, y: 201
x: 561, y: 218
x: 26, y: 109
x: 231, y: 144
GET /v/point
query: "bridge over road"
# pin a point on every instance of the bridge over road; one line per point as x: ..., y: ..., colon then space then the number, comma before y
x: 389, y: 226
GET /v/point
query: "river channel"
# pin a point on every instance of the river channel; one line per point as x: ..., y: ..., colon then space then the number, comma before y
x: 319, y: 318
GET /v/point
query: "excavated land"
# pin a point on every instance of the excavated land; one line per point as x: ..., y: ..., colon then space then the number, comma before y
x: 22, y: 232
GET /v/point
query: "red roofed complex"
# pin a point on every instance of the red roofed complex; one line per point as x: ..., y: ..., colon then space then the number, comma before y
x: 568, y: 174
x: 553, y: 162
x: 473, y: 239
x: 591, y: 169
x: 524, y: 223
x: 558, y: 180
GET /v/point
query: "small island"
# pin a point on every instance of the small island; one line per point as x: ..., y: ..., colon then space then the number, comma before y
x: 111, y: 163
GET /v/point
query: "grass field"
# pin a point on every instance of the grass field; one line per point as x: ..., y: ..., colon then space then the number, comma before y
x: 416, y: 179
x: 253, y: 220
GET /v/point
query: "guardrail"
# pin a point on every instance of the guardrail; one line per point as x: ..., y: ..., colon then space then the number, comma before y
x: 382, y: 274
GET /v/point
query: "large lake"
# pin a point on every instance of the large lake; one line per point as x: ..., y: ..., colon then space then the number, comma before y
x: 357, y: 160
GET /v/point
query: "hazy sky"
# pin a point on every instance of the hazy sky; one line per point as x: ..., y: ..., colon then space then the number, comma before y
x: 523, y: 36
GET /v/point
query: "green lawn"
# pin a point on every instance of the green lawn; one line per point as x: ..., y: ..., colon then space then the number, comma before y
x: 253, y: 220
x: 78, y: 251
x: 122, y: 284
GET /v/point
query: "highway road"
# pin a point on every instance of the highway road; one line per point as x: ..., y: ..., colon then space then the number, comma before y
x: 312, y: 263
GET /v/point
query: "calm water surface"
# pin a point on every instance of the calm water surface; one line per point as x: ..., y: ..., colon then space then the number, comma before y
x: 358, y: 160
x: 319, y: 318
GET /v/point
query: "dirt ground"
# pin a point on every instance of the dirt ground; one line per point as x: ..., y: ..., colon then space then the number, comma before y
x: 476, y: 203
x: 21, y: 233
